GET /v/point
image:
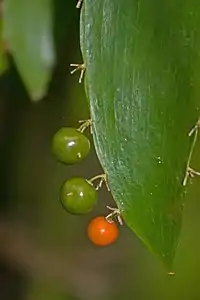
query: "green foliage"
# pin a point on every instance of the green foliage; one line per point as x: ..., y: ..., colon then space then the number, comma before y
x: 28, y: 30
x: 142, y: 81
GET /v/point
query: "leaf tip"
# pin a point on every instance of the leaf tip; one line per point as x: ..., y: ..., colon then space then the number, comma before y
x: 36, y: 96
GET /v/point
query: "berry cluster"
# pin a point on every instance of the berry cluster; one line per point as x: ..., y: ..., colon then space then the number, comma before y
x: 79, y: 195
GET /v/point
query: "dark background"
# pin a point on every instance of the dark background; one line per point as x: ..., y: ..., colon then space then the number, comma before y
x: 44, y: 252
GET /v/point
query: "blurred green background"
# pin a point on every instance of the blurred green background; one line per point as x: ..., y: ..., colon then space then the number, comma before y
x: 44, y: 252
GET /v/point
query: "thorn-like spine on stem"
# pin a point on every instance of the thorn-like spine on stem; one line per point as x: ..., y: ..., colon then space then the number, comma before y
x: 84, y: 125
x: 78, y: 5
x: 103, y: 179
x: 77, y: 67
x: 115, y: 212
x: 193, y: 173
x: 189, y: 171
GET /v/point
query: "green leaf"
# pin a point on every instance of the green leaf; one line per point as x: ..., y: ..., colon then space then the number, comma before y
x: 142, y: 79
x: 28, y: 29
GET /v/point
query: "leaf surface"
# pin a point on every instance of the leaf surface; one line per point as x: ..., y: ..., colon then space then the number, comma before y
x: 28, y: 29
x: 142, y: 80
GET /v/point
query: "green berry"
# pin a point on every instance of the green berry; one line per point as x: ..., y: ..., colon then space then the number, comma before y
x: 78, y: 196
x: 70, y: 145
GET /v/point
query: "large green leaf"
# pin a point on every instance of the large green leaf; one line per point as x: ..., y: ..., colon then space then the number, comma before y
x: 142, y: 79
x: 28, y: 29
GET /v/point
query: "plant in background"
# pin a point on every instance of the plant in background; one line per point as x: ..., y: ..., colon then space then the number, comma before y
x: 141, y: 62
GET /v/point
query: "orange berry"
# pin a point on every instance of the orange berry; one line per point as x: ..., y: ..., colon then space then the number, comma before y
x: 101, y: 232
